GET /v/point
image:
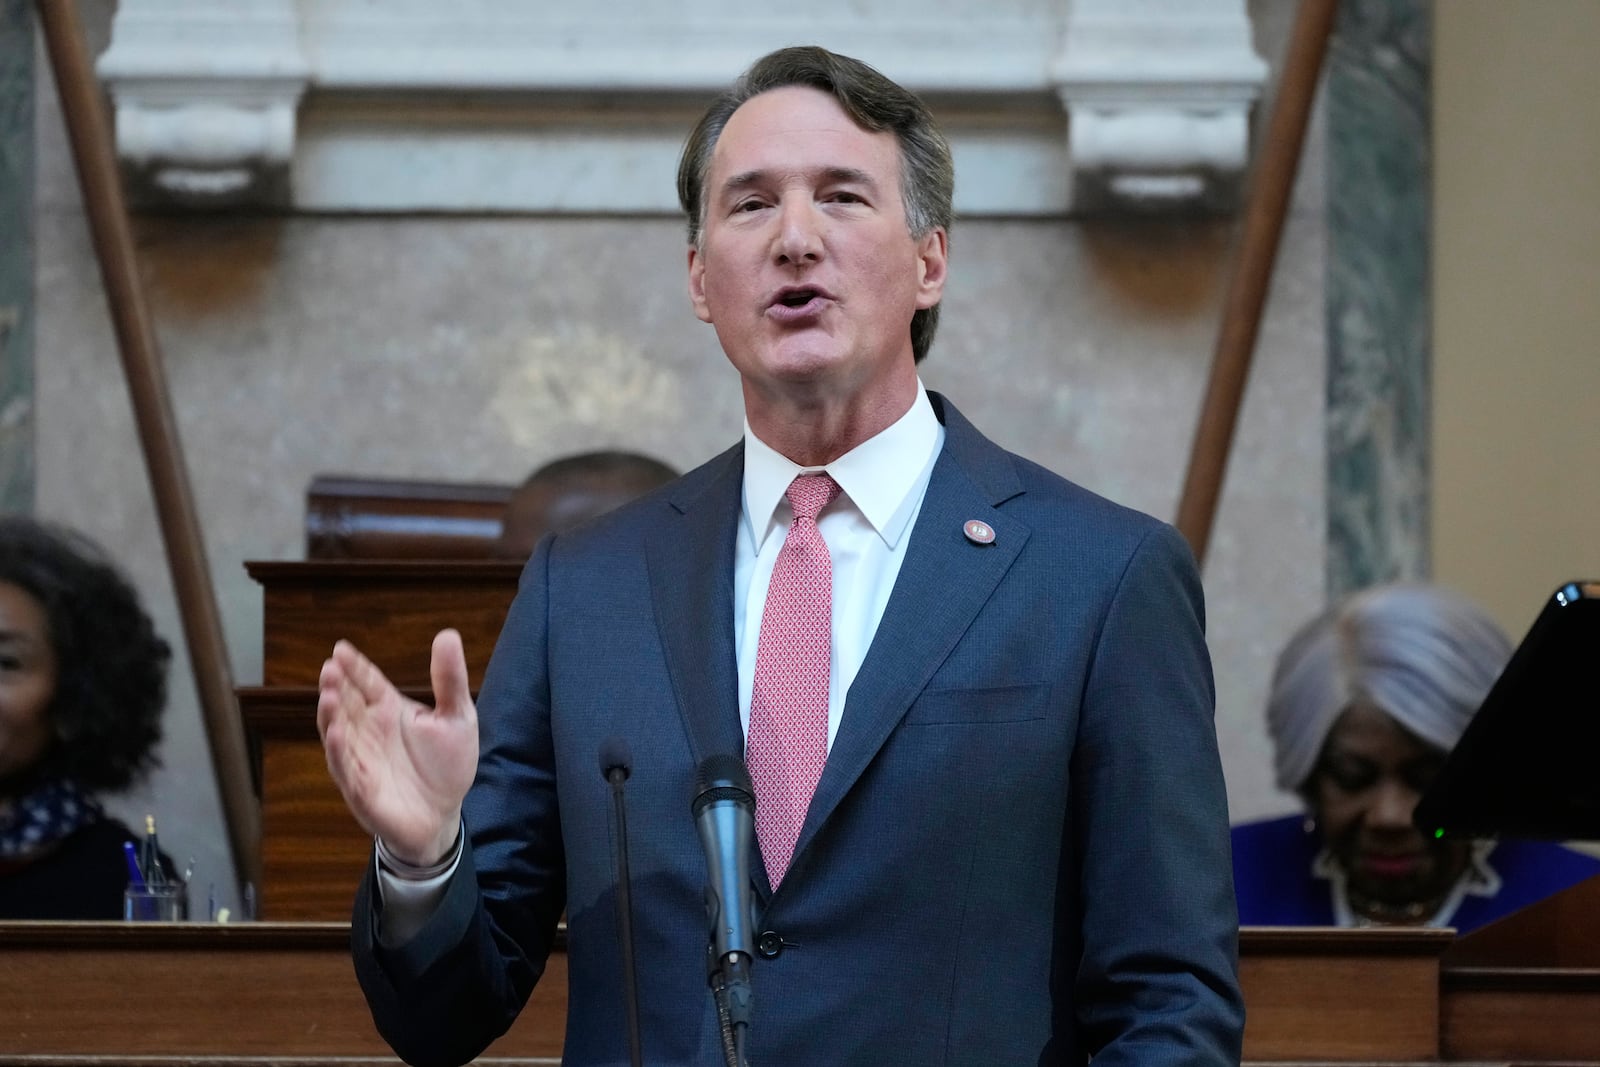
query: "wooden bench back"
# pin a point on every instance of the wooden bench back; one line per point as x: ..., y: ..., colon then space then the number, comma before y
x: 384, y: 518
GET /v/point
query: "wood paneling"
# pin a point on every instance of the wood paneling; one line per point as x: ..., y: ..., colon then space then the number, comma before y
x: 384, y: 518
x: 312, y: 849
x: 288, y: 990
x: 1347, y: 995
x: 313, y: 852
x: 391, y: 611
x: 1527, y: 987
x: 190, y: 990
x: 1521, y: 1014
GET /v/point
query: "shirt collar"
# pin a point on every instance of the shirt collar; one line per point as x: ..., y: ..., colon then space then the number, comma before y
x: 877, y: 475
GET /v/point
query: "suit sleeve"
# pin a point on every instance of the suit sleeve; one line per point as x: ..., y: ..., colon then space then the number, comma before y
x: 1158, y: 981
x: 443, y: 996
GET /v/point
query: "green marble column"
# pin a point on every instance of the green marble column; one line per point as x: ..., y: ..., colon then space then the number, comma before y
x: 1378, y: 301
x: 16, y: 255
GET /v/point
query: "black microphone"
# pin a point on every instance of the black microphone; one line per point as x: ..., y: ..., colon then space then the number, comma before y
x: 616, y: 764
x: 724, y: 810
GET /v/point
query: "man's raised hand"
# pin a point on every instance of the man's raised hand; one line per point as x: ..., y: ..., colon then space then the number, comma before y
x: 403, y: 767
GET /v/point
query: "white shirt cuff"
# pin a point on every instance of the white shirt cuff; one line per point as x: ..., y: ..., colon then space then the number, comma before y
x: 410, y: 894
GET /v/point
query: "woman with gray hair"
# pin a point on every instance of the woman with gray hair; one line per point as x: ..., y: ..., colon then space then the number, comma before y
x: 1367, y: 699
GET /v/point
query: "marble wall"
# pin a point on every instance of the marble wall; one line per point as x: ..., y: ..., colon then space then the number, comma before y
x: 16, y: 255
x: 1379, y: 312
x: 475, y: 348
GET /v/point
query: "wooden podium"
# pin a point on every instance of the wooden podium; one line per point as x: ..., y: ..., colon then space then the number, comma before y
x: 312, y: 851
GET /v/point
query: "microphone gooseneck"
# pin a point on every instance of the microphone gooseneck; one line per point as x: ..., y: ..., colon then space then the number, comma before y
x: 616, y: 766
x: 615, y: 756
x: 724, y: 811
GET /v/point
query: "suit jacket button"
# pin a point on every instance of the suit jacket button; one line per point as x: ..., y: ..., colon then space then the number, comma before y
x: 769, y: 945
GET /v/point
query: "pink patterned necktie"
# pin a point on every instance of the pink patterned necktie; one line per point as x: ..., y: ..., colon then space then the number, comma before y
x: 788, y: 739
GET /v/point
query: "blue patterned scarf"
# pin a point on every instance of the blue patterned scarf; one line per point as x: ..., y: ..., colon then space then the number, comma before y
x: 50, y: 811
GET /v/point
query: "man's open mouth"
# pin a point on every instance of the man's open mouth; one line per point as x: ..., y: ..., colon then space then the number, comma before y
x: 798, y: 298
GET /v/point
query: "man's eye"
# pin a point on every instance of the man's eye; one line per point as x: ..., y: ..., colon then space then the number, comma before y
x: 845, y: 198
x: 748, y: 205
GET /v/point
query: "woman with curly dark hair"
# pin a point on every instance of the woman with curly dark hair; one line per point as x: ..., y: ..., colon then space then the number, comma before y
x: 83, y: 683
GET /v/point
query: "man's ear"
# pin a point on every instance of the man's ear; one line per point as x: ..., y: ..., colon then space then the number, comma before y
x: 933, y: 250
x: 697, y: 284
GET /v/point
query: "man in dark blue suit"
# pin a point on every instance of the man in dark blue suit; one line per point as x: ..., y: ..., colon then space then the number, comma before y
x: 991, y: 817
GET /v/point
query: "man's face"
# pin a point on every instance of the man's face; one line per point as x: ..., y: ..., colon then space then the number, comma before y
x: 1364, y: 790
x: 805, y: 266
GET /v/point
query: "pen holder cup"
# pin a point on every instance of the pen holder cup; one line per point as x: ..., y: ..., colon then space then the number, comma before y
x: 156, y: 903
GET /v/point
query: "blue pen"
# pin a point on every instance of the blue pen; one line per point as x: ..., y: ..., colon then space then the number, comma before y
x: 135, y: 876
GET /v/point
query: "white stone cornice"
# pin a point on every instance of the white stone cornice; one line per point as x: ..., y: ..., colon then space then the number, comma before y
x: 206, y: 97
x: 531, y: 106
x: 1158, y: 95
x: 645, y: 45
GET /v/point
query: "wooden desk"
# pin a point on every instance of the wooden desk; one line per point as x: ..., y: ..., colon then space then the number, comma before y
x: 194, y: 994
x: 285, y: 994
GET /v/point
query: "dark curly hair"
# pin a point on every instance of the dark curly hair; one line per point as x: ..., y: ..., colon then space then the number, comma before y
x: 111, y: 675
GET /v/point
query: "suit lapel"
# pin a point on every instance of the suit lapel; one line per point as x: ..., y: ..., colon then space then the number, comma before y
x: 691, y: 586
x: 943, y: 582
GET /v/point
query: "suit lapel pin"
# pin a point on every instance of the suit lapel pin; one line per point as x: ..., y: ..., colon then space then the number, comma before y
x: 978, y: 532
